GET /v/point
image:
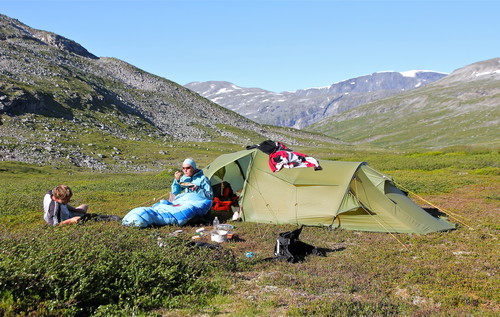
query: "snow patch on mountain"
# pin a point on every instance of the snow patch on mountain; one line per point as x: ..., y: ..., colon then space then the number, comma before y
x: 487, y: 73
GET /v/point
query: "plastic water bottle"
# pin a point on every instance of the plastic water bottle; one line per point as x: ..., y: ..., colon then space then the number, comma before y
x: 216, y: 223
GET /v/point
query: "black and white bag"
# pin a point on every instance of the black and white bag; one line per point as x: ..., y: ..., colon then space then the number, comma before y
x: 289, y: 247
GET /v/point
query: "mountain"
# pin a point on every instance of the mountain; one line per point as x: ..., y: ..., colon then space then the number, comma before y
x: 303, y: 107
x: 56, y: 98
x: 459, y: 109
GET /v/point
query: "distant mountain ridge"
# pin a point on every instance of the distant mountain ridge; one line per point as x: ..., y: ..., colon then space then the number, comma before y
x: 387, y: 80
x: 303, y: 107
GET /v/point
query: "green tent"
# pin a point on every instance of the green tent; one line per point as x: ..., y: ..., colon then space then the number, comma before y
x: 348, y: 195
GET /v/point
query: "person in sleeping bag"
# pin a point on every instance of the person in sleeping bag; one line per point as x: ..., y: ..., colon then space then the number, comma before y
x: 193, y: 198
x: 191, y: 180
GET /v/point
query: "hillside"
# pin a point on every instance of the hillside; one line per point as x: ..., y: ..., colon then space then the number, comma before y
x: 460, y: 109
x: 303, y: 107
x: 60, y: 103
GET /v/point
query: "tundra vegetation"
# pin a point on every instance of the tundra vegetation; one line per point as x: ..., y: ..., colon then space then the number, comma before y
x: 106, y: 129
x: 105, y: 269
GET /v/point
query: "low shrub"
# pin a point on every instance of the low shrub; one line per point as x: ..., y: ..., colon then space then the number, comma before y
x: 73, y: 271
x: 348, y: 307
x: 488, y: 171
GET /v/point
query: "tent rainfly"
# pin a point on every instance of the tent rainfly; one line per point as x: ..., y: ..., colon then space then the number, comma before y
x: 349, y: 195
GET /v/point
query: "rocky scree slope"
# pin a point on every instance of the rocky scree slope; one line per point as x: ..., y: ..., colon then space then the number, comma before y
x: 301, y: 108
x: 52, y: 89
x: 462, y: 108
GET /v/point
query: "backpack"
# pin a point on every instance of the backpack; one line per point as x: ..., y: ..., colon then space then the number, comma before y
x: 289, y: 247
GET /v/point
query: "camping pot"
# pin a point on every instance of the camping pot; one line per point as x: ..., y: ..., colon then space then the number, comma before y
x: 219, y: 236
x: 225, y: 227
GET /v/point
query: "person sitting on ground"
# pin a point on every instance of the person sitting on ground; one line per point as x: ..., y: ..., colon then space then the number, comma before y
x: 57, y: 210
x: 193, y: 181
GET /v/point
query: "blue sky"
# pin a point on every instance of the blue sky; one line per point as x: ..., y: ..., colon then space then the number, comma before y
x: 275, y: 45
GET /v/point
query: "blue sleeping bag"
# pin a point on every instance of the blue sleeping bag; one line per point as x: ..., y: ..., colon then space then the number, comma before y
x: 177, y: 212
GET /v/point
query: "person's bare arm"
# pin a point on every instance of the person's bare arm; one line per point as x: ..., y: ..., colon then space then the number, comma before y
x: 81, y: 208
x: 70, y: 221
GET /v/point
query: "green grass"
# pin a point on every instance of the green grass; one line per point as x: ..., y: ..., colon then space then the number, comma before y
x: 110, y: 270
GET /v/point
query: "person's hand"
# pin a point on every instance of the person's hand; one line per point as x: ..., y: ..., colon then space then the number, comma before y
x: 75, y: 219
x: 177, y: 175
x: 70, y: 220
x: 193, y: 188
